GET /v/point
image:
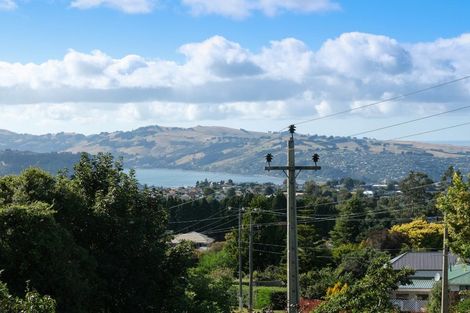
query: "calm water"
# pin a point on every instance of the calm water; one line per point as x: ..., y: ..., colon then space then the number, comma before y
x: 162, y: 177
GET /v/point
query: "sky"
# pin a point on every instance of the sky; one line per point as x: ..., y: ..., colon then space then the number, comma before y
x: 91, y: 66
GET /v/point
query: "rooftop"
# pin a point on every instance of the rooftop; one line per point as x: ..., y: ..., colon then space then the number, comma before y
x: 422, y: 261
x: 195, y: 237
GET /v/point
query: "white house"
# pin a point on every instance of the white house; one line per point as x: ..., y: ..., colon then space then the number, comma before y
x: 201, y: 241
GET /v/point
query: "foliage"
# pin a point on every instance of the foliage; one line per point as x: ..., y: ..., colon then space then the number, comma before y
x: 33, y: 302
x: 463, y: 306
x: 321, y: 205
x: 33, y: 247
x: 314, y: 284
x: 343, y: 249
x: 387, y: 240
x: 313, y: 252
x: 350, y: 223
x: 271, y: 273
x: 355, y: 264
x: 263, y: 297
x: 455, y: 203
x: 96, y: 241
x: 337, y: 289
x: 416, y: 195
x: 215, y: 259
x: 270, y: 297
x: 369, y: 294
x: 279, y: 300
x: 434, y: 304
x: 209, y: 291
x: 260, y: 211
x: 311, y: 188
x: 422, y: 234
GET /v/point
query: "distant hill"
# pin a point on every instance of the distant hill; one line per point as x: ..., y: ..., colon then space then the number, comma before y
x: 13, y: 162
x: 242, y: 151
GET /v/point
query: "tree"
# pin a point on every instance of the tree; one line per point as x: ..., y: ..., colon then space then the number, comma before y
x: 434, y: 305
x: 266, y: 231
x: 210, y: 292
x: 385, y: 240
x: 422, y: 234
x: 455, y: 203
x: 311, y: 188
x: 314, y: 284
x: 33, y: 302
x: 321, y: 206
x: 417, y: 198
x: 350, y: 222
x: 34, y: 248
x: 96, y: 242
x: 355, y: 263
x: 371, y: 293
x: 313, y: 253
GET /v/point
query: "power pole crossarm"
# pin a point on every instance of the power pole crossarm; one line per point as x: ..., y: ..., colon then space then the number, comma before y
x: 293, y: 289
x: 295, y: 168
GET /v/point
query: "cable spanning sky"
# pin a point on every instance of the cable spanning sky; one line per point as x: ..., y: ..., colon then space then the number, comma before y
x: 89, y: 66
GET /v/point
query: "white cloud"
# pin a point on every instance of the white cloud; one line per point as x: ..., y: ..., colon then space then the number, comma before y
x: 243, y: 8
x: 221, y: 80
x: 128, y: 6
x: 7, y: 5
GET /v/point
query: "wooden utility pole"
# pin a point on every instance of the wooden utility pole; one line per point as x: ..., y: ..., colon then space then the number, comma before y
x: 250, y: 264
x: 445, y: 272
x: 293, y: 289
x: 240, y: 282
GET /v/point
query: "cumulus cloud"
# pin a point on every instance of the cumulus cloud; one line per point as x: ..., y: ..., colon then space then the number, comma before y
x: 128, y: 6
x: 243, y: 8
x: 7, y: 5
x: 219, y: 79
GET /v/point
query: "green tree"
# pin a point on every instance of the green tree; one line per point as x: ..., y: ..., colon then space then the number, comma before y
x: 355, y: 260
x: 313, y: 252
x: 33, y: 302
x: 350, y: 222
x: 267, y: 230
x: 319, y: 209
x: 97, y: 242
x: 455, y: 203
x: 371, y: 293
x: 416, y: 196
x: 34, y: 248
x: 434, y: 305
x: 313, y: 284
x: 210, y: 292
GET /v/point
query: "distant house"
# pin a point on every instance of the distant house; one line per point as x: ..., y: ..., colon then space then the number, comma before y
x: 201, y: 241
x: 428, y: 270
x: 459, y: 278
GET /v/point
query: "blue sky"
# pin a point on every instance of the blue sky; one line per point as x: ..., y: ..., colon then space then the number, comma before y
x: 103, y: 65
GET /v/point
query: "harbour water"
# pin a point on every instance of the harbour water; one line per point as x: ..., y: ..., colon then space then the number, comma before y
x: 163, y: 177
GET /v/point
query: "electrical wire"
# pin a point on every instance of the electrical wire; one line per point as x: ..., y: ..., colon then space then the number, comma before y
x: 202, y: 220
x: 429, y: 131
x: 402, y: 96
x: 409, y: 121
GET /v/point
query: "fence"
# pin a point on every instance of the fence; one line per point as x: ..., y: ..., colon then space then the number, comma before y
x: 410, y: 305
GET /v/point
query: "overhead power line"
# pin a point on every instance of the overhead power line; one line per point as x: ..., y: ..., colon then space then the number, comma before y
x: 430, y: 131
x: 405, y: 95
x: 410, y: 121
